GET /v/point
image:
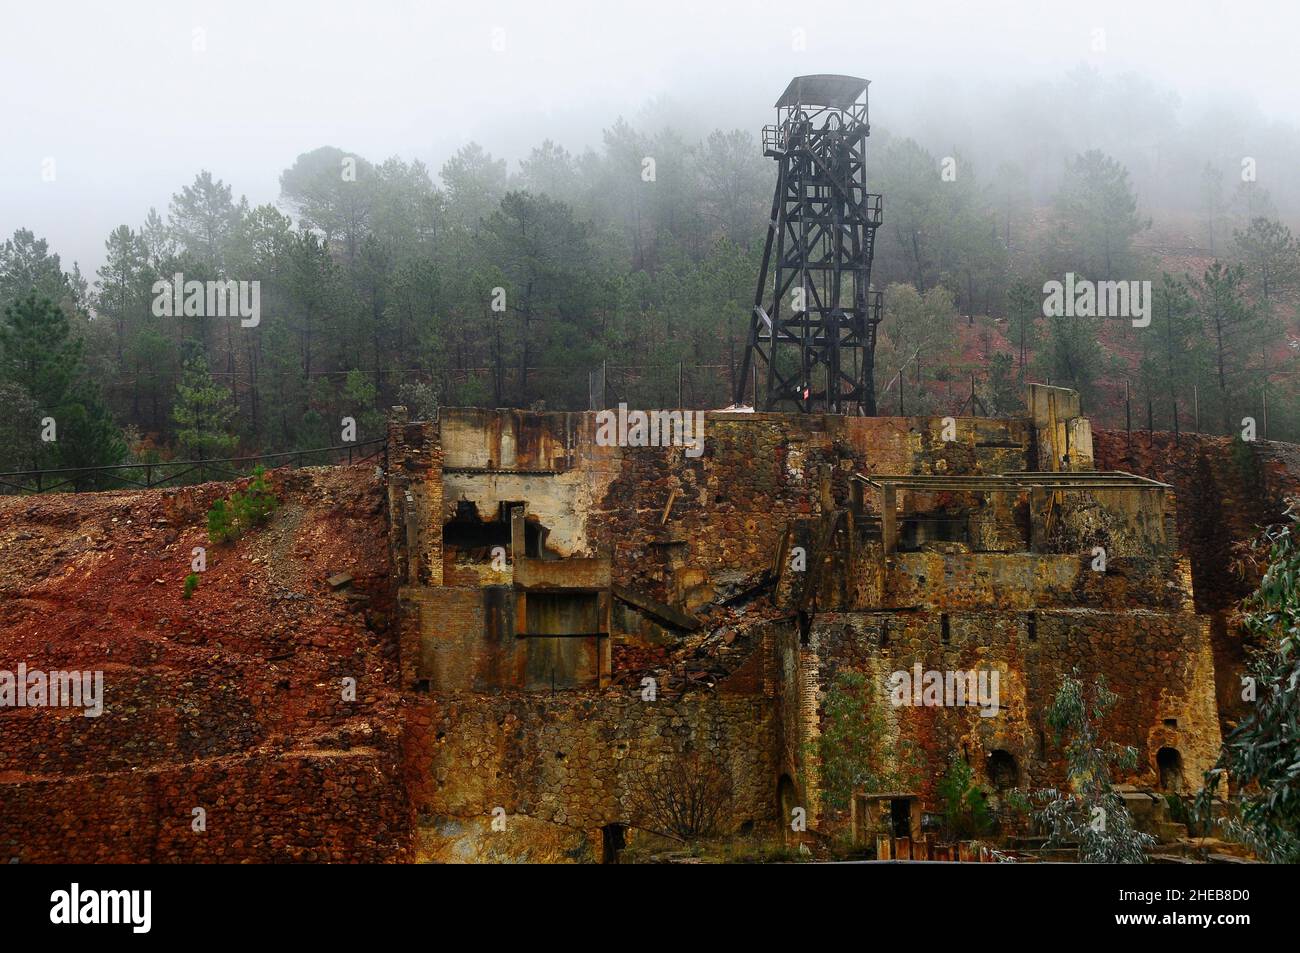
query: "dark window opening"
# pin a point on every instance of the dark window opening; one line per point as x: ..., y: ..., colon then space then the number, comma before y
x: 884, y: 634
x: 805, y: 627
x: 945, y: 630
x: 1032, y: 627
x: 915, y: 531
x: 472, y: 538
x: 1171, y: 722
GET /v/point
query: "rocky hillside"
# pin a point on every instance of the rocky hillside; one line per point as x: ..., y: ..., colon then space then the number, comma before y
x: 225, y: 711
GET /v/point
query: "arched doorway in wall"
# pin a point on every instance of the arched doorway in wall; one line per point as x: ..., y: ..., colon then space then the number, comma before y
x: 787, y: 799
x: 1169, y: 767
x: 1002, y: 770
x: 613, y: 841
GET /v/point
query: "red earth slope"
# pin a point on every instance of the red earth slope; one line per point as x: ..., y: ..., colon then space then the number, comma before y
x: 231, y: 701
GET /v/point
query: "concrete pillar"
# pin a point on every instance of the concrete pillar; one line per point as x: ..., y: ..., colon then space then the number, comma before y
x: 889, y: 518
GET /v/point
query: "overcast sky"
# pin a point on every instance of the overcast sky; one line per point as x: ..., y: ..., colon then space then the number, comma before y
x: 132, y: 98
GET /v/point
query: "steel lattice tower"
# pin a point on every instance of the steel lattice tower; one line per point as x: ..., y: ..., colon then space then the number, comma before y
x: 820, y: 242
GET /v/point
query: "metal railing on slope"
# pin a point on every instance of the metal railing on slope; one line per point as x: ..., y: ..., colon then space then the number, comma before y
x: 149, y: 475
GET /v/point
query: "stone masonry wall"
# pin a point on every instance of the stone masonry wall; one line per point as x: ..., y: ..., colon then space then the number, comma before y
x: 729, y: 507
x: 1160, y: 665
x: 579, y: 759
x: 1227, y: 491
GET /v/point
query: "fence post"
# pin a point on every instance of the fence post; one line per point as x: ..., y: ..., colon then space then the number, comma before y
x: 1128, y: 418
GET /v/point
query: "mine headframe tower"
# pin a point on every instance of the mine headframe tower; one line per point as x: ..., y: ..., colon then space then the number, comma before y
x: 815, y: 316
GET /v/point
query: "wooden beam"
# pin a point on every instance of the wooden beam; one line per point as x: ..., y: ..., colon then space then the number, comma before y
x: 676, y: 618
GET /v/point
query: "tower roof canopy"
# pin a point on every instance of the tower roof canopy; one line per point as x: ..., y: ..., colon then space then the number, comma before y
x: 823, y: 89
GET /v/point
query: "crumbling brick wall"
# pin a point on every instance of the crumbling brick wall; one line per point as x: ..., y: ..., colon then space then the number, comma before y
x: 730, y: 507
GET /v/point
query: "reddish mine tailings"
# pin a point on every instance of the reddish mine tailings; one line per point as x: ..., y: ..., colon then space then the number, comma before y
x: 230, y: 701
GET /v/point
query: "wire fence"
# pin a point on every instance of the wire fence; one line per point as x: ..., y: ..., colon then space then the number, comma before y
x: 959, y: 390
x: 148, y: 475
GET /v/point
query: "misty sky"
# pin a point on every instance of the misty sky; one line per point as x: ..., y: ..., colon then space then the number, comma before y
x: 119, y: 96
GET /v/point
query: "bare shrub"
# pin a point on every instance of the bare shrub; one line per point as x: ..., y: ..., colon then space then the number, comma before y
x: 686, y: 798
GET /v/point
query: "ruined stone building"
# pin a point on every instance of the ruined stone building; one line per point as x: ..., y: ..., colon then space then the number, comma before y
x: 538, y: 622
x: 971, y: 549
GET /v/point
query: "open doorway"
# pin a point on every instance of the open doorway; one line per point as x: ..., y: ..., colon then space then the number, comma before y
x: 1169, y: 766
x: 613, y: 841
x: 900, y: 816
x: 1003, y: 772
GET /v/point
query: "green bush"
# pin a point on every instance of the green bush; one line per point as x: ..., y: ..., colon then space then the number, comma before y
x: 857, y: 750
x: 255, y: 505
x: 230, y: 519
x: 221, y: 525
x: 191, y: 583
x: 965, y: 807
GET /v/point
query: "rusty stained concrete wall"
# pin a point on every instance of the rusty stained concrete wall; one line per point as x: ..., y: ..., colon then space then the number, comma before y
x: 511, y: 440
x: 550, y: 461
x: 466, y: 640
x: 1125, y: 522
x: 1021, y: 581
x: 1062, y: 435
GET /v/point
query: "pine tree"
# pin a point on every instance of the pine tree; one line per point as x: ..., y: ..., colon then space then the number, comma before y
x: 40, y: 355
x: 1232, y: 325
x: 1071, y: 355
x: 123, y: 288
x: 1172, y: 352
x: 1097, y: 215
x: 1271, y: 255
x: 27, y: 267
x: 203, y: 414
